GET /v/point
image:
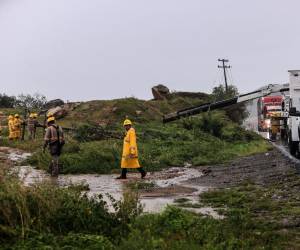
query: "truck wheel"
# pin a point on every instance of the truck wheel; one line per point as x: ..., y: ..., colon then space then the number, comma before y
x: 273, y: 137
x: 282, y: 134
x: 293, y: 146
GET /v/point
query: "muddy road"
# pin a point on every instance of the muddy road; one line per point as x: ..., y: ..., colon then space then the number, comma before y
x: 260, y: 169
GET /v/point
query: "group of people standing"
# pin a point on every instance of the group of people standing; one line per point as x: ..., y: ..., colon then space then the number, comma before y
x: 15, y: 124
x: 54, y: 140
x: 14, y: 127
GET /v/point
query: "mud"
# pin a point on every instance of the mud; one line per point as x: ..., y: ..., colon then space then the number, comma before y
x: 261, y: 169
x: 168, y: 185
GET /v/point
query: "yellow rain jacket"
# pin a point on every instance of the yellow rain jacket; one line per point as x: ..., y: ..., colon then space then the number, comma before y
x: 17, y: 128
x: 130, y: 151
x: 11, y: 128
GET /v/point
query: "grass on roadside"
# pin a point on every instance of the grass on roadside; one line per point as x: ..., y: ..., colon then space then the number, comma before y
x: 206, y: 139
x: 48, y: 217
x: 270, y: 211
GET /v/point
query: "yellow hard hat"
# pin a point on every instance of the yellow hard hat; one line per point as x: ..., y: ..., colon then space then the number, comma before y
x: 31, y: 115
x: 127, y: 122
x: 35, y: 115
x: 17, y: 116
x: 50, y: 119
x: 49, y: 114
x: 10, y: 117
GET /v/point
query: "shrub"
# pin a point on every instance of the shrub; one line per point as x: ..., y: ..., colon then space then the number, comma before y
x: 69, y: 242
x: 46, y: 208
x: 208, y: 139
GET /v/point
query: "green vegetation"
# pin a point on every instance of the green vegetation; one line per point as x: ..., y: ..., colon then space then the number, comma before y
x: 207, y: 139
x: 34, y: 217
x: 238, y: 112
x: 47, y: 217
x: 268, y: 215
x: 141, y: 186
x: 35, y: 101
x: 96, y: 143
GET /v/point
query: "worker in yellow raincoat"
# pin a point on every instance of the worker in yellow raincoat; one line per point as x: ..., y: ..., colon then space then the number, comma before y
x: 130, y: 151
x: 10, y: 124
x: 17, y: 127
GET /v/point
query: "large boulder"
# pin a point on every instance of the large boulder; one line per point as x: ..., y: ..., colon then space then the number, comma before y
x: 58, y: 112
x: 160, y: 92
x: 54, y: 103
x: 63, y: 110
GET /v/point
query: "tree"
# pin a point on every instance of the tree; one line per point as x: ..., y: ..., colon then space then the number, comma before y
x: 238, y: 112
x: 29, y: 102
x: 7, y: 101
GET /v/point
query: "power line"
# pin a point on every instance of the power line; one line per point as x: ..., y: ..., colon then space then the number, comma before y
x: 224, y: 67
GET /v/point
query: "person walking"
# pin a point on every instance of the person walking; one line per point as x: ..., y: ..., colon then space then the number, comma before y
x: 130, y: 152
x: 54, y: 139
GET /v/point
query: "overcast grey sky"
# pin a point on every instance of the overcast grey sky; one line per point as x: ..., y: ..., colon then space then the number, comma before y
x: 103, y: 49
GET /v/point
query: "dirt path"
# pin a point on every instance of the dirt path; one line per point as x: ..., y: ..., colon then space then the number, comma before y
x: 260, y: 169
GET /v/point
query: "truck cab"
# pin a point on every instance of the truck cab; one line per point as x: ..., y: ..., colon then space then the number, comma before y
x: 293, y: 120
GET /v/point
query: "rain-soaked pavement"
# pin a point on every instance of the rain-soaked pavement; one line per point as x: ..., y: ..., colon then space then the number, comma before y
x: 169, y: 184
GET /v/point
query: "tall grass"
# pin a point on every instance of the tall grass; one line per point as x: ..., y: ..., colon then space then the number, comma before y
x: 209, y: 139
x: 47, y: 217
x: 45, y: 208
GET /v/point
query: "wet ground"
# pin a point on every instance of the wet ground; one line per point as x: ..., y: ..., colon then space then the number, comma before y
x: 167, y: 186
x: 175, y: 183
x: 261, y: 169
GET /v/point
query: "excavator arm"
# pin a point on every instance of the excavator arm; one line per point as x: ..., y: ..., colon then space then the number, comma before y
x: 224, y: 103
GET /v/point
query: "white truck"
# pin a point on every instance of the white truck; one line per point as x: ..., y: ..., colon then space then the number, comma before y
x: 292, y: 106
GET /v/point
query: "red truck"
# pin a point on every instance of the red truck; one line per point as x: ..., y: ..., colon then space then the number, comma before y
x: 268, y: 107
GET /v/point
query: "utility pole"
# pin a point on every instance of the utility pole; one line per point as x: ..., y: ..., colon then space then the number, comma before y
x: 224, y: 67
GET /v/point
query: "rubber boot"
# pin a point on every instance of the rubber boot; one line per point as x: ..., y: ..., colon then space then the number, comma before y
x: 123, y: 174
x: 143, y: 172
x: 50, y: 169
x: 55, y: 170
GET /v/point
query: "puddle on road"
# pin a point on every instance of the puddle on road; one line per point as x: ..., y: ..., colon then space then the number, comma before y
x: 171, y: 184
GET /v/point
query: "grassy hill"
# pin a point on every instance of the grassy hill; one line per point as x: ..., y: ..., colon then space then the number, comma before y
x: 206, y: 139
x: 45, y: 216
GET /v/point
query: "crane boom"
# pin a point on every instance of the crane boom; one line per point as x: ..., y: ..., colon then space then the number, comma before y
x: 224, y: 103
